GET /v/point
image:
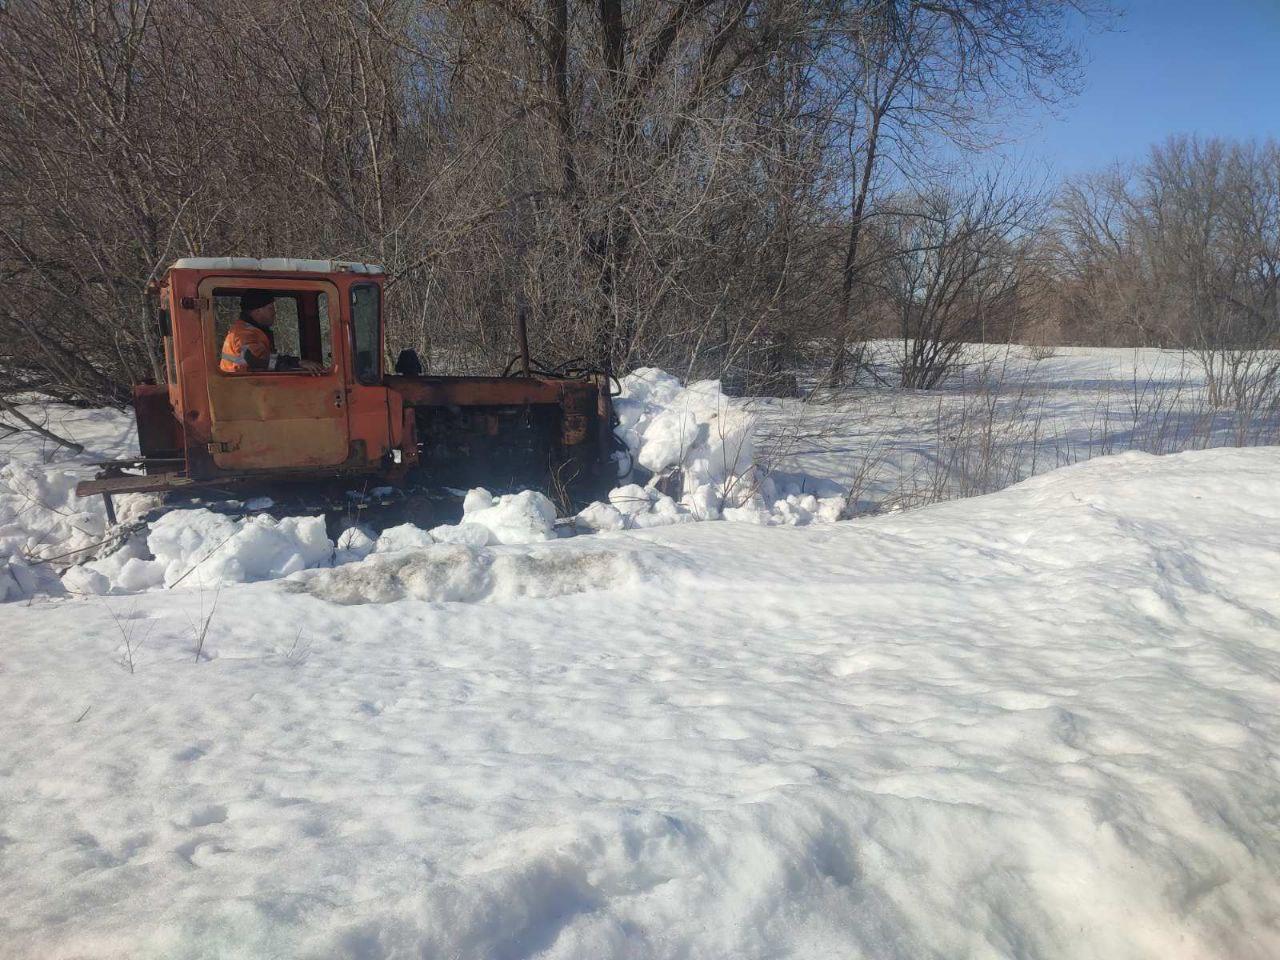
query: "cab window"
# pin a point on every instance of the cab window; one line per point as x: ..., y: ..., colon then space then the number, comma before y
x: 366, y: 332
x: 301, y: 328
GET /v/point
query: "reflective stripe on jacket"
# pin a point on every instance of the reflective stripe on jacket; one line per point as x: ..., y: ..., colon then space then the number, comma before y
x: 245, y: 348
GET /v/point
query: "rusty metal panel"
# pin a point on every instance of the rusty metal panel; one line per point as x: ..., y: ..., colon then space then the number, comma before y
x: 371, y: 419
x: 487, y: 391
x: 409, y: 438
x: 159, y: 432
x: 573, y: 429
x: 278, y: 421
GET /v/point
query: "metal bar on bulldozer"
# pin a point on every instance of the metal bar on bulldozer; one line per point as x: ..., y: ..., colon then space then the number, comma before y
x: 152, y: 483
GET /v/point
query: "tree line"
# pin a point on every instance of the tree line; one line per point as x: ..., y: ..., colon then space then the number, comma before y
x: 719, y: 187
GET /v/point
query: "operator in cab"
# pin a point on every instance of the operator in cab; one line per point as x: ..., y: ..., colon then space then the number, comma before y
x: 250, y: 346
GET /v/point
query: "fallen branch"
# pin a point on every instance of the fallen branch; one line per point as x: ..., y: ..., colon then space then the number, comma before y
x: 17, y: 414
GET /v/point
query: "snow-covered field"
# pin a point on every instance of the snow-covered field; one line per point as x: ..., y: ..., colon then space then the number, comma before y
x: 1040, y: 723
x: 1006, y: 416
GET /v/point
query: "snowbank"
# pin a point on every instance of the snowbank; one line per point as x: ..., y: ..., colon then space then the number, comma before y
x: 201, y: 548
x: 1036, y: 724
x: 45, y: 527
x: 465, y: 573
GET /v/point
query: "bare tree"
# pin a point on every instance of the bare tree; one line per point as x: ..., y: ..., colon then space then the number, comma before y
x: 1184, y: 250
x: 962, y: 262
x: 908, y: 76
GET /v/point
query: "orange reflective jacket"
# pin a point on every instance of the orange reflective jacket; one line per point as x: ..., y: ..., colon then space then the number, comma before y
x: 245, y: 349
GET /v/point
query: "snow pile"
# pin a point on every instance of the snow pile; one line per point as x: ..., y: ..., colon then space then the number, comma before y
x: 695, y: 430
x: 354, y: 544
x: 45, y: 527
x: 695, y: 442
x: 201, y: 548
x: 632, y: 507
x: 795, y: 510
x: 40, y: 513
x: 407, y: 536
x: 524, y: 517
x: 696, y: 427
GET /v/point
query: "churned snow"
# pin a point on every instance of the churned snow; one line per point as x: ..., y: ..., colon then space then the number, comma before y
x: 44, y: 527
x: 1036, y: 724
x: 667, y: 424
x: 209, y: 548
x: 466, y: 573
x: 41, y: 517
x: 524, y: 517
x: 700, y: 444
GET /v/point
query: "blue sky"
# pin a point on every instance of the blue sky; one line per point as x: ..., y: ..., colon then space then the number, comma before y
x: 1210, y: 67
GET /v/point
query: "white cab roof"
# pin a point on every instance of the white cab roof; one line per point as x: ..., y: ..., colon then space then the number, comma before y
x: 275, y: 265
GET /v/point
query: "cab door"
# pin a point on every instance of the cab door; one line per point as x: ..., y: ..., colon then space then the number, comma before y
x: 375, y: 425
x: 270, y: 420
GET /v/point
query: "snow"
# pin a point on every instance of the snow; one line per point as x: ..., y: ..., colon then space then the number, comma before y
x: 524, y: 517
x: 695, y: 429
x: 212, y: 549
x: 406, y: 536
x: 1006, y: 415
x: 693, y: 440
x: 40, y: 517
x: 27, y: 533
x: 216, y: 549
x: 275, y: 265
x: 632, y: 506
x: 209, y: 549
x: 1039, y: 723
x: 43, y: 525
x: 456, y: 572
x: 354, y: 543
x: 702, y: 445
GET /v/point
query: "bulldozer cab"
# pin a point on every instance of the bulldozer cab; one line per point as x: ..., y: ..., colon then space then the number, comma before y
x: 279, y: 416
x: 284, y: 416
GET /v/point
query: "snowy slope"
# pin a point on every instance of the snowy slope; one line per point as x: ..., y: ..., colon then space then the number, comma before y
x: 1040, y: 723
